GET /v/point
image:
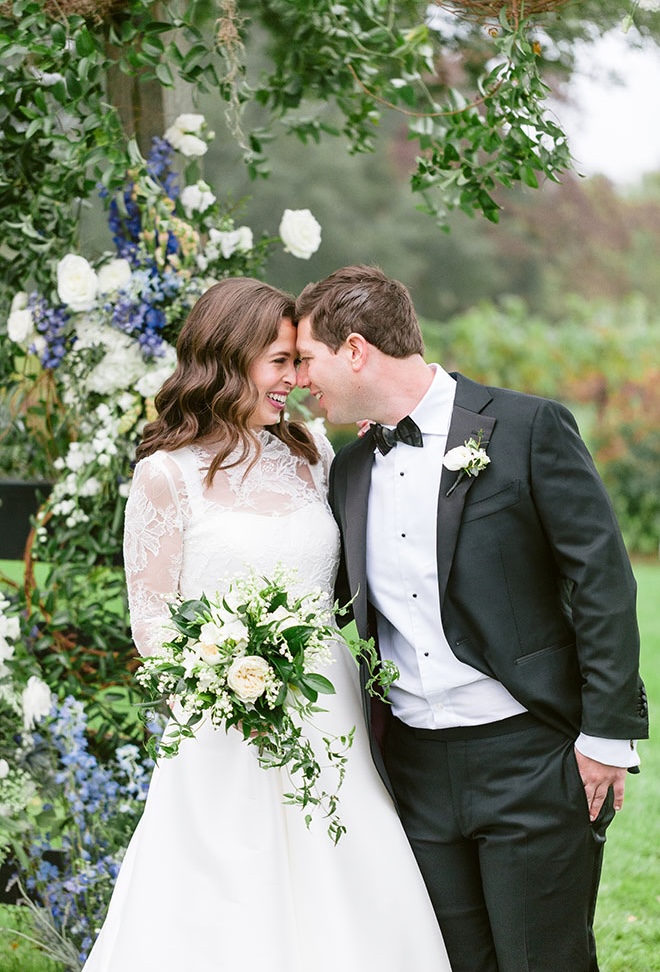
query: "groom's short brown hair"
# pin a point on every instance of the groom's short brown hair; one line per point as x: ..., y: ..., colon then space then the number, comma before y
x: 364, y: 300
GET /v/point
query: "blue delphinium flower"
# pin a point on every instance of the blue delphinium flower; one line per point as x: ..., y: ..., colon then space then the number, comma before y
x: 51, y: 323
x: 72, y: 873
x: 159, y: 163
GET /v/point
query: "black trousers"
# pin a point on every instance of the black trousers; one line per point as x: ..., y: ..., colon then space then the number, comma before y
x: 498, y: 821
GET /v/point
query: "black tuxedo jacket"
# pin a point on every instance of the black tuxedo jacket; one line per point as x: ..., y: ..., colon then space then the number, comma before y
x: 536, y: 589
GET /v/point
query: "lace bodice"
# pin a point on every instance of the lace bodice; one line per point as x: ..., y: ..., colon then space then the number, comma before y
x: 182, y: 538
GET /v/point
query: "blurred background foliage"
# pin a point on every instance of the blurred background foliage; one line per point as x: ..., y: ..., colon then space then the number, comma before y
x: 561, y: 297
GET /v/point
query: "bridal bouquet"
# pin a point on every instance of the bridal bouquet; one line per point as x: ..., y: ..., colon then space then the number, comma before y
x: 249, y: 659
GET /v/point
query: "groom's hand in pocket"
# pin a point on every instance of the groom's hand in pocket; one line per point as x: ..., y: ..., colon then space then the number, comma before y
x: 597, y: 779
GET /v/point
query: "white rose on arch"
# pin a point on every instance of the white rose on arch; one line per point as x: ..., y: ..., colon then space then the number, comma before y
x: 77, y: 282
x: 196, y: 198
x: 20, y: 326
x: 248, y: 677
x: 114, y: 275
x: 36, y: 701
x: 300, y: 233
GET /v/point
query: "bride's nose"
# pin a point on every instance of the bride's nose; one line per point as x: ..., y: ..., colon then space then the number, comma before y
x: 289, y: 377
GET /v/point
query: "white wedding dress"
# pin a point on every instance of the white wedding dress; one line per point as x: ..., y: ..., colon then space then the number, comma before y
x: 220, y: 874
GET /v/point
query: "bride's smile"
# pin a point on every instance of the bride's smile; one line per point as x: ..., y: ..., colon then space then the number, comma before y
x: 273, y: 374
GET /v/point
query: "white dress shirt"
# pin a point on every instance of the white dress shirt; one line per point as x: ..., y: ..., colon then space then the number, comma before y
x: 435, y: 690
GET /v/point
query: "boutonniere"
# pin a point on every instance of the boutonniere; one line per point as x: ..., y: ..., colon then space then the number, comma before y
x: 469, y: 460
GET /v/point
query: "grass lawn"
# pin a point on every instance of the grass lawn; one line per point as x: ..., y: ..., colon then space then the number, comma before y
x: 628, y: 915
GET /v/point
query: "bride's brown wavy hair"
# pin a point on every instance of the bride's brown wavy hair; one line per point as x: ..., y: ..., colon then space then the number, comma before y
x: 210, y: 392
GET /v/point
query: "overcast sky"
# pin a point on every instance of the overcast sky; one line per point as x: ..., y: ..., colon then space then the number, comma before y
x: 615, y: 129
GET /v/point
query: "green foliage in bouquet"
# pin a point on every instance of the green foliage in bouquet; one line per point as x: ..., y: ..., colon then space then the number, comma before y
x: 249, y: 659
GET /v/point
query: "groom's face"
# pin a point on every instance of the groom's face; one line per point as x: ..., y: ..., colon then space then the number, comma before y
x: 328, y: 375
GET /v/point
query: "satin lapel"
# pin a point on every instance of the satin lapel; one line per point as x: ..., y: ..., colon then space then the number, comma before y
x: 355, y: 534
x: 466, y: 423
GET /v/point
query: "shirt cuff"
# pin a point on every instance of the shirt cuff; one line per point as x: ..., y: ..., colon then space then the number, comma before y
x: 612, y: 752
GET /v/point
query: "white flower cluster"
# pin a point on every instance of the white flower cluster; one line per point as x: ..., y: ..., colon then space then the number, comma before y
x: 20, y: 324
x: 85, y: 462
x: 35, y: 700
x: 185, y: 135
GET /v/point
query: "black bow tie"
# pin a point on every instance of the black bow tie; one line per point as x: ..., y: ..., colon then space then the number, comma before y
x: 406, y: 431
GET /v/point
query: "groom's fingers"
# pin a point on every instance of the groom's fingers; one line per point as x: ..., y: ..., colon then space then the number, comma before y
x: 597, y: 779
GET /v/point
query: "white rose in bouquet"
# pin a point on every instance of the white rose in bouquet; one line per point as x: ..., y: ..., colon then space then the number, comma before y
x: 4, y: 769
x: 300, y: 233
x: 247, y: 677
x: 114, y: 275
x: 77, y: 282
x: 36, y: 701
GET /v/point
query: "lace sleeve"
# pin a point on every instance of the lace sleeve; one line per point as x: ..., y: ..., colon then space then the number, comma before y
x: 153, y: 547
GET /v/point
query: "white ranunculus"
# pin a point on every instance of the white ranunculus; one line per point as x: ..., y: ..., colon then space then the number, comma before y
x: 4, y: 769
x: 77, y: 283
x: 20, y: 326
x: 191, y: 146
x: 247, y: 677
x: 36, y: 700
x: 114, y: 276
x: 458, y: 458
x: 300, y: 233
x: 196, y: 199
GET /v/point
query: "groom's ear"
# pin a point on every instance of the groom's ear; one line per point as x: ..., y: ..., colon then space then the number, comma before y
x: 357, y: 348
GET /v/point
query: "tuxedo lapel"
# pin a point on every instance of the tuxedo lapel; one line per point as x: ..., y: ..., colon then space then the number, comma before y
x: 466, y: 422
x: 355, y: 534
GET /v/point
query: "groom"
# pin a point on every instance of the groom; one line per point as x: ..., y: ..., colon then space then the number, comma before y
x: 495, y: 577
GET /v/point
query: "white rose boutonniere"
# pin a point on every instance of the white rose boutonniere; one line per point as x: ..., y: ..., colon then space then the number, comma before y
x: 468, y: 460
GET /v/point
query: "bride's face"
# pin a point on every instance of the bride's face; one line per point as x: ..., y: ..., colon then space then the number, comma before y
x: 274, y: 375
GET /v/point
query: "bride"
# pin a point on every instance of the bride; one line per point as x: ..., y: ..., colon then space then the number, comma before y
x: 220, y: 872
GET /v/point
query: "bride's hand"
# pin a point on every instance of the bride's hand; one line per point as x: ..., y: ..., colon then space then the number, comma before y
x: 363, y: 426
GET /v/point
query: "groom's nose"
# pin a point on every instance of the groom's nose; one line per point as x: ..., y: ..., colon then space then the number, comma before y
x: 302, y: 378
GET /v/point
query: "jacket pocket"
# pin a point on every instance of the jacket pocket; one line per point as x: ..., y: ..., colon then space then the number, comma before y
x: 550, y: 650
x: 504, y: 498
